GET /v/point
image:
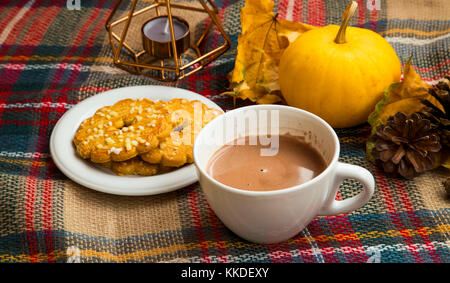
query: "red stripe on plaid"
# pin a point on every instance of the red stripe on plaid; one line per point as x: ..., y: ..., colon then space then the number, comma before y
x: 33, y: 37
x: 361, y: 13
x: 431, y: 68
x: 316, y: 16
x: 75, y: 72
x: 80, y: 35
x: 204, y: 75
x: 21, y: 25
x: 11, y: 14
x: 9, y: 77
x: 297, y: 14
x: 316, y: 12
x: 7, y: 80
x: 62, y: 98
x: 408, y: 206
x: 302, y: 246
x: 92, y: 89
x: 29, y: 216
x: 438, y: 77
x: 47, y: 216
x: 46, y: 123
x: 216, y: 224
x: 280, y: 253
x: 37, y: 29
x: 282, y: 8
x: 341, y: 225
x: 373, y: 18
x: 196, y: 220
x: 212, y: 217
x: 387, y: 197
x: 315, y: 229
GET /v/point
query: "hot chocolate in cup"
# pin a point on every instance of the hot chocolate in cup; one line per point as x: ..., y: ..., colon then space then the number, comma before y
x: 271, y: 216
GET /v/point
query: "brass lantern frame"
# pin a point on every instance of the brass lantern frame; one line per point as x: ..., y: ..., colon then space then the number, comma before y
x: 180, y: 69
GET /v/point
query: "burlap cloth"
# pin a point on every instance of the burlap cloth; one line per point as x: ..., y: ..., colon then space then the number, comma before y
x: 52, y: 57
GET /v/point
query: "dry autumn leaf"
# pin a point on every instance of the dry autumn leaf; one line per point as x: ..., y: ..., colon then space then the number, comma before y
x: 260, y: 46
x: 404, y: 96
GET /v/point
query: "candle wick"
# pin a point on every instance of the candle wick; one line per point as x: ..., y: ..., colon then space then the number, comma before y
x: 166, y: 28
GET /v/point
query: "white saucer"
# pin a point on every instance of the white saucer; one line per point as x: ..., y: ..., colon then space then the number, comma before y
x: 89, y: 175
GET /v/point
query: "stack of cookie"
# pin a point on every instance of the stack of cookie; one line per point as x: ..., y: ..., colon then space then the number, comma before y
x: 143, y: 137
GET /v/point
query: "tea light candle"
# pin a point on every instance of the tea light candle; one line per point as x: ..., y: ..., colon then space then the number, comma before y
x: 158, y: 29
x: 157, y: 39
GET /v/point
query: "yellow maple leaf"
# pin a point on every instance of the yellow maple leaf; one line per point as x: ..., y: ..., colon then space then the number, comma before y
x: 404, y: 96
x: 260, y: 46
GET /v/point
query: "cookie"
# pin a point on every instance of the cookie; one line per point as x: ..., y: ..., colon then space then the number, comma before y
x: 187, y: 119
x: 136, y: 166
x: 169, y: 154
x: 123, y: 130
x: 133, y: 166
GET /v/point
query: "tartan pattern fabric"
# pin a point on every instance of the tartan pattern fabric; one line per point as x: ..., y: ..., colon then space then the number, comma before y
x: 52, y: 57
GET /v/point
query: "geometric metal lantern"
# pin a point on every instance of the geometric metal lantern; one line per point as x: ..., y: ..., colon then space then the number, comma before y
x: 137, y: 60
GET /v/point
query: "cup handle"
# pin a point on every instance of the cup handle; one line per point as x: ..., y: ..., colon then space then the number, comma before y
x: 343, y: 171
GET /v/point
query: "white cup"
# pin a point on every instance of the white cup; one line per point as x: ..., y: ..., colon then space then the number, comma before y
x: 275, y: 216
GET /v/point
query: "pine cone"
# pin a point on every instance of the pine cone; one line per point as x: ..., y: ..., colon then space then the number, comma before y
x: 406, y: 145
x: 440, y: 91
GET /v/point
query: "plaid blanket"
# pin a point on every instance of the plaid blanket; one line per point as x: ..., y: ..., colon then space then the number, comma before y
x: 52, y: 57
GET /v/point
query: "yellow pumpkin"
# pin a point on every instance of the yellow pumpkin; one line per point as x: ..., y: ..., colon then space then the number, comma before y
x: 338, y: 73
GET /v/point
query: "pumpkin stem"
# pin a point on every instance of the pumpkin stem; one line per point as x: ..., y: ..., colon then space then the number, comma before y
x: 348, y: 14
